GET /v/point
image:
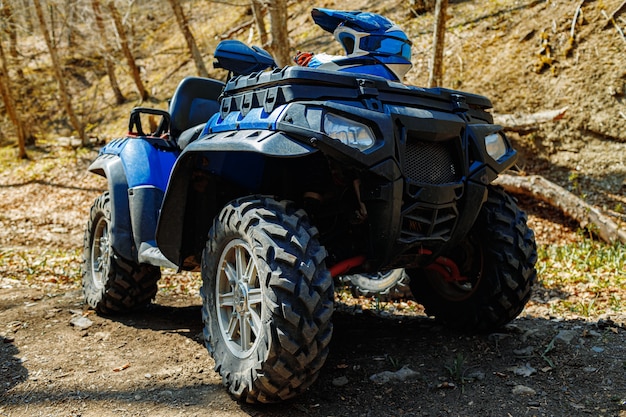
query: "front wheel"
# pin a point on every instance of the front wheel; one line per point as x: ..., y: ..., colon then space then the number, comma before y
x: 486, y: 281
x: 112, y: 284
x: 267, y: 299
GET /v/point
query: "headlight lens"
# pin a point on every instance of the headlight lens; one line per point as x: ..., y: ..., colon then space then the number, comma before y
x: 495, y: 146
x: 351, y: 133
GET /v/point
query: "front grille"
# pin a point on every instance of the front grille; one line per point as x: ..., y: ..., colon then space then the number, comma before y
x: 430, y: 162
x: 420, y: 223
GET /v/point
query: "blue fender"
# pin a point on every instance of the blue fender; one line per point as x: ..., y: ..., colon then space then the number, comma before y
x: 128, y: 164
x: 146, y: 161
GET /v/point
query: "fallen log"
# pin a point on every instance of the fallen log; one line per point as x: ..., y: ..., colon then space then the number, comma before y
x: 526, y: 122
x: 586, y: 215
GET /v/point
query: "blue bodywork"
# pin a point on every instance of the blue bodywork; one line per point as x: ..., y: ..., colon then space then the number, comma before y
x: 144, y: 162
x: 134, y: 165
x: 256, y: 118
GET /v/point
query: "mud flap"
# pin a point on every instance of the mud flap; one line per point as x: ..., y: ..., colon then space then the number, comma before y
x: 145, y: 204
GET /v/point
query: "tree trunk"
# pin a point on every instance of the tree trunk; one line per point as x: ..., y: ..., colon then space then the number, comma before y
x: 280, y: 35
x: 7, y: 14
x: 191, y: 42
x: 65, y: 97
x: 9, y: 104
x: 70, y: 18
x: 436, y: 70
x: 110, y: 67
x: 28, y: 17
x: 257, y: 11
x: 538, y: 187
x: 130, y: 59
x: 52, y: 29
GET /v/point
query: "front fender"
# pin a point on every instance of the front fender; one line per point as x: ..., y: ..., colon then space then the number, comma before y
x: 260, y: 141
x: 237, y: 158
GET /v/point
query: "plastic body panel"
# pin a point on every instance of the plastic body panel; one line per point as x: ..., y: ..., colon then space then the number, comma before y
x: 239, y: 159
x: 269, y: 118
x: 134, y: 166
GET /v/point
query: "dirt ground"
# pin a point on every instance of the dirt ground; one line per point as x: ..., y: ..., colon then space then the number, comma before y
x: 155, y: 364
x: 53, y: 362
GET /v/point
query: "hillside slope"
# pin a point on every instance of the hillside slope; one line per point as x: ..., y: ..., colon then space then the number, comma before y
x: 519, y: 53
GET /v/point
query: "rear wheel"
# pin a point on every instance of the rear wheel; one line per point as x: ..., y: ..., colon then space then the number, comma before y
x: 267, y: 300
x: 112, y: 284
x: 486, y: 281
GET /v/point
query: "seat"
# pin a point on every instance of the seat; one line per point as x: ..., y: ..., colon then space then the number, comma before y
x: 194, y: 102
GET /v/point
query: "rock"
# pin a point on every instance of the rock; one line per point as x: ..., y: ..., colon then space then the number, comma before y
x: 565, y: 336
x: 402, y: 374
x: 523, y: 390
x: 524, y: 352
x: 523, y: 370
x: 597, y: 349
x: 81, y: 322
x: 102, y: 336
x: 477, y: 375
x: 340, y: 382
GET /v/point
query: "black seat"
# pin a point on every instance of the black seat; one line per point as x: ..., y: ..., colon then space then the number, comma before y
x: 194, y: 102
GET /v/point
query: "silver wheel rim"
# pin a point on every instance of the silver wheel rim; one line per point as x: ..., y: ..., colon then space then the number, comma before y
x: 100, y: 253
x: 239, y: 298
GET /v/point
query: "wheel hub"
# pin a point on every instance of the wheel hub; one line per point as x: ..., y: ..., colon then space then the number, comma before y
x: 240, y: 296
x: 100, y: 253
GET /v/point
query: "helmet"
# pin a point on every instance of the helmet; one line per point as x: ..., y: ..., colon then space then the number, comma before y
x: 364, y: 34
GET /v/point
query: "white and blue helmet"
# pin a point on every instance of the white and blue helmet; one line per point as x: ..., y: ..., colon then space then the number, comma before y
x: 367, y: 37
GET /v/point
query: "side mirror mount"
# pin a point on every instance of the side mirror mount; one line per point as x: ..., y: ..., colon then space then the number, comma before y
x: 240, y: 59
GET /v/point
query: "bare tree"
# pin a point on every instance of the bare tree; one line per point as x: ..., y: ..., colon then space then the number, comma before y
x: 257, y: 12
x: 130, y: 59
x: 435, y: 77
x: 280, y: 36
x: 70, y: 14
x: 106, y: 52
x: 9, y: 105
x: 65, y: 97
x: 191, y: 42
x: 9, y: 28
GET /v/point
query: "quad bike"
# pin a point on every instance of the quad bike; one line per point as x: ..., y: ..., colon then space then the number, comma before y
x: 280, y: 182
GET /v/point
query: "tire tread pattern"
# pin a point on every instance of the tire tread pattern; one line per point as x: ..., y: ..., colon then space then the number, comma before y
x: 129, y: 286
x: 297, y: 300
x: 509, y: 252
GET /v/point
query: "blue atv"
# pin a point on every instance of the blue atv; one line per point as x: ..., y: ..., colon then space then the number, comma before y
x: 279, y: 183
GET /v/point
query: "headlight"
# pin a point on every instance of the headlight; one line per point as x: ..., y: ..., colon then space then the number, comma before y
x: 351, y: 133
x: 495, y: 146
